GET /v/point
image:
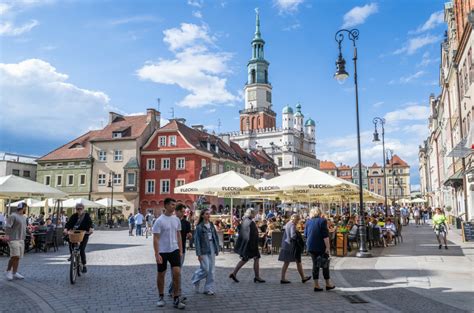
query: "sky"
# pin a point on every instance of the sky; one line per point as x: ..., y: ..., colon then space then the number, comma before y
x: 65, y: 63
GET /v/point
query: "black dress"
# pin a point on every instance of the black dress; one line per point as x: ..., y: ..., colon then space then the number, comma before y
x: 247, y: 242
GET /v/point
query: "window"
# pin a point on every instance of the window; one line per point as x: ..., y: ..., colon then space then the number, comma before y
x: 280, y: 162
x: 165, y: 186
x: 117, y: 179
x: 102, y: 155
x: 59, y: 180
x: 118, y: 155
x: 172, y: 141
x: 82, y: 164
x: 181, y: 164
x: 70, y: 180
x: 203, y: 163
x: 379, y: 191
x: 101, y: 179
x: 117, y: 135
x: 70, y: 164
x: 150, y: 186
x: 150, y: 164
x: 269, y: 97
x: 162, y: 141
x: 47, y: 180
x: 371, y: 189
x: 356, y: 181
x: 131, y: 178
x: 389, y: 181
x: 82, y: 179
x: 47, y: 165
x: 26, y: 173
x: 214, y: 168
x: 179, y: 182
x: 379, y: 180
x: 59, y: 165
x: 165, y: 164
x: 371, y: 180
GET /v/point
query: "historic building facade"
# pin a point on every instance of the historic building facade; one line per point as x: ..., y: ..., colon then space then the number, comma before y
x: 445, y: 157
x: 293, y: 145
x: 177, y: 154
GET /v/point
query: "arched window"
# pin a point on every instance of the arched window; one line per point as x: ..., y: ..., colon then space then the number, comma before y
x: 252, y: 76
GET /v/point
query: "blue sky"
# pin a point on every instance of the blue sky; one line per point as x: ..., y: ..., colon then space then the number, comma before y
x: 65, y: 64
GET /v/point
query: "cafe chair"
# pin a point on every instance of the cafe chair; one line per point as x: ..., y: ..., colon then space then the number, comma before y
x: 50, y: 241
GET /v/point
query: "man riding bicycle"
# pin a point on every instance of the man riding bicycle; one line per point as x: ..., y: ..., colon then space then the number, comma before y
x: 80, y: 220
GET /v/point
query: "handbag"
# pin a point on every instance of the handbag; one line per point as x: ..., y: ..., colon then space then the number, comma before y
x: 322, y: 261
x: 298, y: 246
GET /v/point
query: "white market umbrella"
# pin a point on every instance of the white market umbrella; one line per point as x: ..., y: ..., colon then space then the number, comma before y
x: 107, y: 202
x: 29, y: 202
x: 418, y: 200
x: 88, y: 204
x: 12, y: 186
x: 305, y: 181
x: 46, y: 203
x: 228, y: 184
x: 404, y: 201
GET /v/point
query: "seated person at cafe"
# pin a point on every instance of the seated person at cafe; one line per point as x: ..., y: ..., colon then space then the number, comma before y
x: 49, y: 225
x: 390, y: 230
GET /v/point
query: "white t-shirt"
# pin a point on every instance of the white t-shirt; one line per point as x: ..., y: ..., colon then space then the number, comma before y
x: 167, y: 227
x: 209, y: 233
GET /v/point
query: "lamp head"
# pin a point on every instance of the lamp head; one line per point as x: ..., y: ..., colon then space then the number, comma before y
x: 341, y: 75
x: 376, y: 136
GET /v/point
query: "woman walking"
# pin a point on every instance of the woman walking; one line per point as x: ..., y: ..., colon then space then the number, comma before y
x: 440, y: 227
x: 291, y: 248
x: 207, y: 248
x: 247, y: 246
x: 317, y: 243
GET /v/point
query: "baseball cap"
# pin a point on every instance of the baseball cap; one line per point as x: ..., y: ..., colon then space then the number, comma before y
x: 21, y: 205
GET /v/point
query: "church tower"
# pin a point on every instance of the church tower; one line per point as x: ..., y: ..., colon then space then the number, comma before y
x: 258, y: 113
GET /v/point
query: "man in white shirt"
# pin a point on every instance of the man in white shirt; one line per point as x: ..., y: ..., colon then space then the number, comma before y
x: 168, y: 247
x: 138, y: 223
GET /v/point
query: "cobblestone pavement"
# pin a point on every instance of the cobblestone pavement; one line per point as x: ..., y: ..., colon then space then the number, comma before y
x: 122, y: 275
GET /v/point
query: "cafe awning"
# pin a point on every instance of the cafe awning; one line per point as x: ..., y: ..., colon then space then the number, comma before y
x: 455, y: 180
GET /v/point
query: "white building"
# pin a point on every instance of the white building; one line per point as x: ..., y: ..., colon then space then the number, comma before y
x: 293, y: 145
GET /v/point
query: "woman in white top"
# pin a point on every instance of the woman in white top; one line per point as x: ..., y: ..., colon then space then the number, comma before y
x: 416, y: 215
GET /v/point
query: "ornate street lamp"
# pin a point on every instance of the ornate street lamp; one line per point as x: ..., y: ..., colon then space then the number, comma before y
x: 381, y: 121
x: 388, y: 161
x: 111, y: 185
x: 341, y: 75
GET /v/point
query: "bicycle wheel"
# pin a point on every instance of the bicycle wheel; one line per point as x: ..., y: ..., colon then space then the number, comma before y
x: 78, y: 264
x: 72, y: 269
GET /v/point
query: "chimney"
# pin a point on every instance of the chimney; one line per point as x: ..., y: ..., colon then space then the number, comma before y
x: 226, y: 138
x: 151, y: 117
x: 198, y: 127
x: 113, y: 116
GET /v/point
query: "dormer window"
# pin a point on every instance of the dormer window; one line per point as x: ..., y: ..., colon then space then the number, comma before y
x: 76, y: 146
x: 117, y: 135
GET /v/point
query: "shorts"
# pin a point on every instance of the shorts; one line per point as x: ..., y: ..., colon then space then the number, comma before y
x: 172, y: 257
x: 17, y: 248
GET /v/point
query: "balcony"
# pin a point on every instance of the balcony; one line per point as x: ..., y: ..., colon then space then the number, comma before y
x: 257, y: 110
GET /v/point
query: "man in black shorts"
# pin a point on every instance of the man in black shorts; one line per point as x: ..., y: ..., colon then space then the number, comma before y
x: 168, y: 247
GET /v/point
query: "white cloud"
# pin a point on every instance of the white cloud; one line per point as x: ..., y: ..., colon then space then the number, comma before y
x: 291, y: 27
x: 410, y: 113
x: 133, y: 19
x: 416, y: 43
x: 358, y: 15
x: 37, y: 100
x: 435, y: 19
x: 287, y: 6
x: 197, y: 14
x: 9, y: 29
x: 196, y: 3
x: 427, y: 60
x: 409, y: 78
x: 9, y: 9
x: 377, y: 104
x: 194, y: 68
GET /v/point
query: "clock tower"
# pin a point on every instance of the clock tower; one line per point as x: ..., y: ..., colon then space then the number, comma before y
x: 258, y: 113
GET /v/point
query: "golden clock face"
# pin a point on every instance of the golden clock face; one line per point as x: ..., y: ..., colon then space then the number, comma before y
x: 252, y: 95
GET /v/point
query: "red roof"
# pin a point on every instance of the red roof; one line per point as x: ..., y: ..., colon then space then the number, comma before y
x: 375, y: 165
x: 79, y: 148
x: 343, y: 167
x: 327, y: 165
x: 397, y: 161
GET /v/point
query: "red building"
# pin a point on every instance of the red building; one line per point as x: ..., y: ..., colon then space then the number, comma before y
x: 344, y: 172
x: 177, y: 154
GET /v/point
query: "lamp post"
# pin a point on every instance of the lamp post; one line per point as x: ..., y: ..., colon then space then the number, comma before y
x: 390, y: 160
x: 111, y: 185
x: 341, y: 76
x: 381, y: 121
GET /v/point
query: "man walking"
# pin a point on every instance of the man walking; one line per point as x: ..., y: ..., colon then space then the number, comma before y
x: 185, y: 235
x: 167, y: 243
x: 16, y: 232
x: 139, y: 222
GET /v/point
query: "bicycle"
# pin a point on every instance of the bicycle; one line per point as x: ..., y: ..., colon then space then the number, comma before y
x: 75, y: 268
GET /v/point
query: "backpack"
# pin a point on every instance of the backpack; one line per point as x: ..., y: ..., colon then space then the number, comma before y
x: 131, y: 220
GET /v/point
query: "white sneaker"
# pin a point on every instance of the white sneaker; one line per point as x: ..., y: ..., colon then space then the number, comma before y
x: 209, y: 293
x: 18, y: 276
x: 9, y: 275
x: 161, y: 303
x: 196, y: 288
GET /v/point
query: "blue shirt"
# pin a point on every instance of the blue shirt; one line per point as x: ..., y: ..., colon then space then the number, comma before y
x: 315, y: 231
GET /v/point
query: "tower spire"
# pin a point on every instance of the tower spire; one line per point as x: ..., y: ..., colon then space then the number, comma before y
x: 257, y: 24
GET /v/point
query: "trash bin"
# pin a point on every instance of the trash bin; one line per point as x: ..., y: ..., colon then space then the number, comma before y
x: 458, y: 223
